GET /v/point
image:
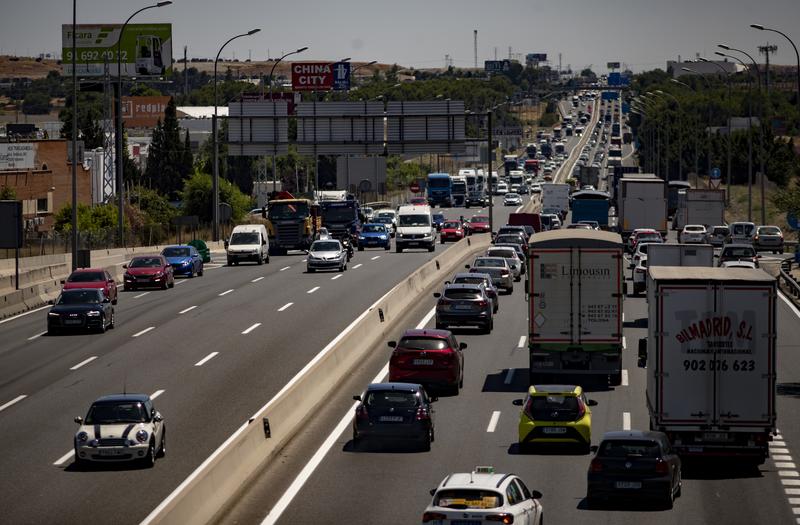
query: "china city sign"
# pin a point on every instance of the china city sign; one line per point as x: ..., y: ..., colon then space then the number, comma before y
x: 320, y: 76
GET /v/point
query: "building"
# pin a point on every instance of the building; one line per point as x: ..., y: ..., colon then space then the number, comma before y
x: 702, y: 68
x: 40, y: 173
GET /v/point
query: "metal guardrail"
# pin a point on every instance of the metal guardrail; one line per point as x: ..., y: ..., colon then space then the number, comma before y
x: 792, y: 285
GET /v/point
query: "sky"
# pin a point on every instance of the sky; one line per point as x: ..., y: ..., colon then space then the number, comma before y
x: 643, y: 34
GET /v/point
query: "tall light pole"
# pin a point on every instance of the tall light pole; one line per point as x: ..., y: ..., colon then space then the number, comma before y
x: 74, y: 141
x: 118, y: 134
x: 655, y: 100
x: 762, y: 116
x: 215, y: 178
x: 371, y: 63
x: 696, y: 138
x: 680, y: 132
x: 797, y: 54
x: 730, y: 116
x: 708, y: 132
x: 656, y: 158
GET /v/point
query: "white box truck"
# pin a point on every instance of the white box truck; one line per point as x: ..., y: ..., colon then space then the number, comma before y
x: 700, y: 206
x: 710, y: 359
x: 642, y: 201
x: 672, y: 254
x: 555, y: 198
x: 575, y: 288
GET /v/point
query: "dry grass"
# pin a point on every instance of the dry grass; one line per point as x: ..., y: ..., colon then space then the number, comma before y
x: 738, y: 208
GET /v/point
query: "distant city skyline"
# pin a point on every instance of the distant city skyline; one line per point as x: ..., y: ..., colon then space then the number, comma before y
x: 643, y: 34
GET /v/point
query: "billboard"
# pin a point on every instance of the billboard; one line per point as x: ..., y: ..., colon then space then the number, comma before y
x: 320, y: 76
x: 143, y: 112
x: 613, y: 65
x: 18, y: 156
x: 534, y: 58
x: 497, y: 66
x: 145, y: 49
x: 292, y: 99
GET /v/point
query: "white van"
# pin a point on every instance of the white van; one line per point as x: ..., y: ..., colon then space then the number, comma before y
x: 248, y: 242
x: 415, y: 228
x: 741, y: 233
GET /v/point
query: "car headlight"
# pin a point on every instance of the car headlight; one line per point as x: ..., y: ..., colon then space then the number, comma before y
x: 82, y: 437
x: 93, y: 313
x: 53, y: 314
x: 142, y: 436
x: 361, y: 238
x: 383, y: 237
x: 127, y: 276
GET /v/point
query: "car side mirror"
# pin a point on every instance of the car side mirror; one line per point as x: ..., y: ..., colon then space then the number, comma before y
x: 594, y: 448
x: 225, y: 244
x: 591, y: 402
x: 437, y: 294
x: 158, y: 418
x: 462, y: 346
x: 527, y: 288
x: 517, y: 402
x: 535, y: 494
x: 643, y: 353
x: 125, y: 266
x: 50, y: 301
x: 79, y: 420
x: 62, y: 281
x: 356, y: 398
x: 467, y: 266
x: 625, y: 289
x: 392, y: 344
x: 447, y: 282
x: 432, y: 492
x: 106, y: 300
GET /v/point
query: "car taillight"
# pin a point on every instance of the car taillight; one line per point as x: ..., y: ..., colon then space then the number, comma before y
x: 504, y: 275
x: 431, y: 516
x: 596, y: 466
x: 361, y: 413
x: 662, y: 467
x: 755, y: 238
x: 482, y: 303
x: 423, y: 414
x: 443, y: 302
x: 581, y: 409
x: 503, y: 517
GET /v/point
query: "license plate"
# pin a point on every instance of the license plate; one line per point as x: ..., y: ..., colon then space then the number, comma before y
x: 391, y: 419
x: 414, y: 243
x: 554, y: 430
x: 544, y: 363
x: 466, y: 522
x: 628, y: 484
x: 143, y: 278
x: 422, y: 361
x: 110, y: 451
x: 715, y: 436
x: 463, y: 307
x: 73, y: 321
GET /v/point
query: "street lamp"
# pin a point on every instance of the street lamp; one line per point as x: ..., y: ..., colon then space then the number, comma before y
x: 730, y: 116
x: 680, y: 133
x: 372, y: 63
x: 696, y: 137
x: 797, y: 54
x: 118, y: 134
x: 708, y: 132
x: 653, y: 99
x: 646, y: 105
x: 215, y: 178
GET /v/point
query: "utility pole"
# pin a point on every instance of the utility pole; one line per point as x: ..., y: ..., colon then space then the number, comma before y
x: 766, y: 50
x: 475, y: 46
x: 185, y: 72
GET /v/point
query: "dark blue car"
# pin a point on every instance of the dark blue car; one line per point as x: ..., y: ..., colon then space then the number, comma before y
x: 184, y: 259
x: 374, y: 235
x: 438, y: 220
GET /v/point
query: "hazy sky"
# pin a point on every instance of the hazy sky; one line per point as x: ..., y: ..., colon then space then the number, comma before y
x: 642, y: 33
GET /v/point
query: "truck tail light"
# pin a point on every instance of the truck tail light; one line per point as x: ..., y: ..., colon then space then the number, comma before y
x: 662, y: 467
x: 503, y: 517
x: 596, y: 466
x: 432, y: 516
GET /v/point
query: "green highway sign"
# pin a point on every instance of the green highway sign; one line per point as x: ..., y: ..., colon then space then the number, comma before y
x: 145, y: 49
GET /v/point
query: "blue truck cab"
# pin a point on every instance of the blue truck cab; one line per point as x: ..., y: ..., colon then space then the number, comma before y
x: 440, y: 189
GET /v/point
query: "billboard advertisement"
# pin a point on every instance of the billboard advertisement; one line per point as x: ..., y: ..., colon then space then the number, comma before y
x: 534, y: 58
x: 18, y: 156
x: 143, y: 112
x: 496, y: 66
x: 320, y: 76
x: 613, y: 65
x: 145, y: 49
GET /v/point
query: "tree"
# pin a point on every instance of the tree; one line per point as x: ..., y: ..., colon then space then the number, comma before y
x: 167, y: 165
x: 156, y: 208
x: 36, y: 103
x: 89, y: 115
x: 197, y: 197
x: 7, y: 193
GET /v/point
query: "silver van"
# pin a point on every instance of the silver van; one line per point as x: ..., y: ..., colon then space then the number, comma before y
x: 741, y: 233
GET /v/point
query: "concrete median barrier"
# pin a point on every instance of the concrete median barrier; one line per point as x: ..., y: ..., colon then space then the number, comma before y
x: 221, y: 475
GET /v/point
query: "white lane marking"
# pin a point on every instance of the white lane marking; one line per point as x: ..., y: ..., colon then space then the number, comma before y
x: 226, y: 292
x: 313, y: 289
x: 781, y: 457
x: 788, y: 473
x: 284, y: 268
x: 623, y: 313
x: 63, y: 459
x: 257, y: 279
x: 137, y: 334
x: 284, y: 307
x: 181, y: 281
x: 376, y: 257
x: 785, y: 464
x: 187, y: 309
x: 140, y: 295
x: 84, y: 362
x: 515, y: 211
x: 357, y: 266
x: 791, y: 492
x: 305, y: 260
x: 336, y: 276
x: 286, y: 499
x: 792, y: 482
x: 206, y: 359
x: 522, y: 340
x: 37, y: 336
x: 509, y: 376
x: 624, y: 378
x: 624, y: 343
x: 251, y: 329
x: 156, y: 394
x: 626, y: 421
x: 777, y: 443
x: 12, y: 402
x: 779, y: 451
x: 493, y: 421
x: 23, y: 314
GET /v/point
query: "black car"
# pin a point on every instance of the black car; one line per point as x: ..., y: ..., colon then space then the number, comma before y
x: 464, y: 305
x: 479, y: 278
x: 634, y: 464
x: 80, y: 309
x: 510, y: 238
x: 510, y: 229
x: 399, y: 411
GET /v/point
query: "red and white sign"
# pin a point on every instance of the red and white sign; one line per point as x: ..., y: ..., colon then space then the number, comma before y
x: 414, y: 187
x: 312, y: 76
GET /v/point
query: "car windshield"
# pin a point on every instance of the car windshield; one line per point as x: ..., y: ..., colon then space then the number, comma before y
x: 721, y: 231
x: 117, y: 412
x: 325, y: 246
x: 338, y: 214
x: 469, y: 280
x: 384, y: 219
x: 515, y: 239
x: 553, y: 407
x: 502, y: 252
x: 176, y: 252
x: 743, y: 229
x: 769, y: 230
x: 439, y: 182
x: 467, y: 499
x: 145, y: 262
x: 86, y: 277
x: 374, y: 228
x: 246, y: 238
x: 390, y: 399
x: 415, y: 220
x: 386, y: 214
x: 422, y: 343
x: 438, y: 217
x: 461, y: 294
x: 628, y: 448
x: 649, y: 237
x: 494, y: 262
x: 512, y: 196
x: 479, y: 218
x: 744, y: 251
x: 695, y: 229
x: 451, y: 224
x: 79, y: 297
x: 288, y: 210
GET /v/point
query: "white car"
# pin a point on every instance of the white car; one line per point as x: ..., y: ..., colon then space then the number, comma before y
x: 739, y: 264
x: 390, y: 214
x: 640, y: 276
x: 693, y: 233
x: 502, y: 188
x: 536, y: 188
x: 512, y: 199
x: 511, y: 257
x: 641, y: 251
x: 121, y: 427
x: 483, y: 496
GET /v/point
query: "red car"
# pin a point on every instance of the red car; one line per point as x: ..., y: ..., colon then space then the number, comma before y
x: 451, y: 231
x: 92, y: 278
x: 148, y: 270
x: 431, y: 358
x: 418, y: 201
x: 478, y: 224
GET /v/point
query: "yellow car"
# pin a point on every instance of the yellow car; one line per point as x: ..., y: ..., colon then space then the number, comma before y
x: 555, y: 414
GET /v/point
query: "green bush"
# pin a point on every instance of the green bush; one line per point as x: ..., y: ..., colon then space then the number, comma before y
x: 197, y: 197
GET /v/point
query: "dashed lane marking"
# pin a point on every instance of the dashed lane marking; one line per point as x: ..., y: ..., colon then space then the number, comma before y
x: 357, y: 266
x: 245, y: 332
x: 206, y: 359
x: 37, y: 336
x: 84, y: 362
x: 156, y: 394
x: 187, y: 309
x: 522, y: 340
x: 137, y: 334
x: 226, y: 292
x: 284, y: 307
x: 13, y: 402
x: 376, y: 257
x: 140, y: 295
x: 493, y: 421
x: 626, y: 421
x: 624, y: 378
x: 336, y: 276
x: 313, y: 289
x: 284, y: 268
x: 257, y: 279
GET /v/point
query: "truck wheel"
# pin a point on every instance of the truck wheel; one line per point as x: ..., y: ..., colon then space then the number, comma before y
x: 260, y: 260
x: 398, y: 249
